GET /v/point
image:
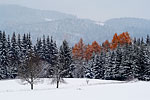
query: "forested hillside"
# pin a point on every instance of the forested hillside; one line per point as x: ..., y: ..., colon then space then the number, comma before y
x: 65, y: 26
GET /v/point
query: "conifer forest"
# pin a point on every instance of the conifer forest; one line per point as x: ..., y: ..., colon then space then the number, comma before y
x: 123, y: 58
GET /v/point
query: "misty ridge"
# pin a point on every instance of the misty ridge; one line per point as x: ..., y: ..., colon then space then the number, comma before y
x: 14, y: 18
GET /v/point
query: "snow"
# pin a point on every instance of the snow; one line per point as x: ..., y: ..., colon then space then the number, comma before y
x: 75, y: 89
x: 100, y: 23
x: 48, y: 19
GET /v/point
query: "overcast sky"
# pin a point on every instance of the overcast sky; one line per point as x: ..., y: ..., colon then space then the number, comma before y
x: 99, y: 10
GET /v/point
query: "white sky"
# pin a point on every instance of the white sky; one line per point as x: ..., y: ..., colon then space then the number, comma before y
x: 99, y: 10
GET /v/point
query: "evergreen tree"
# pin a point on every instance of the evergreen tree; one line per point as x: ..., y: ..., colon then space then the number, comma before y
x: 99, y: 69
x: 53, y: 57
x: 13, y: 55
x: 89, y: 73
x: 9, y: 70
x: 110, y: 70
x: 118, y: 63
x: 136, y: 59
x: 145, y: 62
x: 20, y: 51
x: 48, y: 49
x: 138, y: 42
x: 66, y: 59
x: 108, y: 66
x: 1, y: 68
x: 24, y: 48
x: 4, y: 58
x: 44, y: 48
x: 29, y: 44
x: 127, y: 66
x: 39, y: 48
x: 148, y: 40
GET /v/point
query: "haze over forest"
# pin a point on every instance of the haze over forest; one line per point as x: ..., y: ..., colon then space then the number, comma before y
x: 99, y: 10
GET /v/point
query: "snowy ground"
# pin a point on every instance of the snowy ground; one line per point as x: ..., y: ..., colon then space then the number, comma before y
x: 75, y: 89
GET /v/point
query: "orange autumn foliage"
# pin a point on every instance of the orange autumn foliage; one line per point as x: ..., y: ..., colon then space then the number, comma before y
x: 88, y: 52
x: 121, y: 39
x: 124, y: 38
x: 83, y: 52
x: 106, y: 45
x: 90, y: 49
x: 78, y: 50
x: 115, y: 41
x: 75, y: 51
x: 95, y: 47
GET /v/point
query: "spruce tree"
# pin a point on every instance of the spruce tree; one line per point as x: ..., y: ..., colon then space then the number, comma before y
x: 98, y: 69
x: 126, y: 66
x: 148, y: 40
x: 4, y: 58
x: 89, y: 73
x: 29, y: 44
x: 53, y: 51
x: 47, y: 50
x: 66, y: 59
x: 24, y: 48
x: 39, y: 48
x: 108, y: 66
x: 145, y: 62
x: 110, y: 70
x: 44, y: 48
x: 118, y: 53
x: 14, y: 58
x: 1, y: 68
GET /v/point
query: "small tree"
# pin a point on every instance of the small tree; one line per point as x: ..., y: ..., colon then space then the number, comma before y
x: 29, y: 70
x: 62, y: 68
x: 57, y: 76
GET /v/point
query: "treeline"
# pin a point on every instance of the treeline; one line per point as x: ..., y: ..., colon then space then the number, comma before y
x: 120, y: 59
x: 80, y: 50
x: 17, y: 52
x: 126, y: 62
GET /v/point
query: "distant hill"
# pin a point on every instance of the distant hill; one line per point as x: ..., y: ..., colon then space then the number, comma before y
x: 62, y: 26
x: 135, y: 26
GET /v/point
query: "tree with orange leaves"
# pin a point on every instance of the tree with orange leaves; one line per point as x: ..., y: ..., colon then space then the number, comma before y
x: 75, y: 51
x: 78, y: 50
x: 96, y: 47
x: 124, y: 38
x: 115, y: 41
x: 121, y: 39
x: 88, y: 52
x: 90, y: 49
x: 106, y: 45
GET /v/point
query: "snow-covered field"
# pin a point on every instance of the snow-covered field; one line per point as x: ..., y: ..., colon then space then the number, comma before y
x: 75, y: 89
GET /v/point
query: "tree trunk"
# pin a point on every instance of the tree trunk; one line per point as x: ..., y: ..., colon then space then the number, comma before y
x: 31, y: 83
x: 57, y: 84
x: 32, y: 86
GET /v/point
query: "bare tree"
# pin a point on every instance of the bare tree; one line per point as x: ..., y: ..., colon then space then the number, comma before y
x: 30, y: 69
x: 58, y: 74
x: 59, y: 70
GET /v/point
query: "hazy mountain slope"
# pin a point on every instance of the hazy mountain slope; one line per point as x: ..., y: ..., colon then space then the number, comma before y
x: 16, y: 14
x: 135, y: 26
x: 64, y: 26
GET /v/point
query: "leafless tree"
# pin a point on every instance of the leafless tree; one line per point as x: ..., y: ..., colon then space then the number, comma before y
x: 30, y: 69
x: 58, y: 75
